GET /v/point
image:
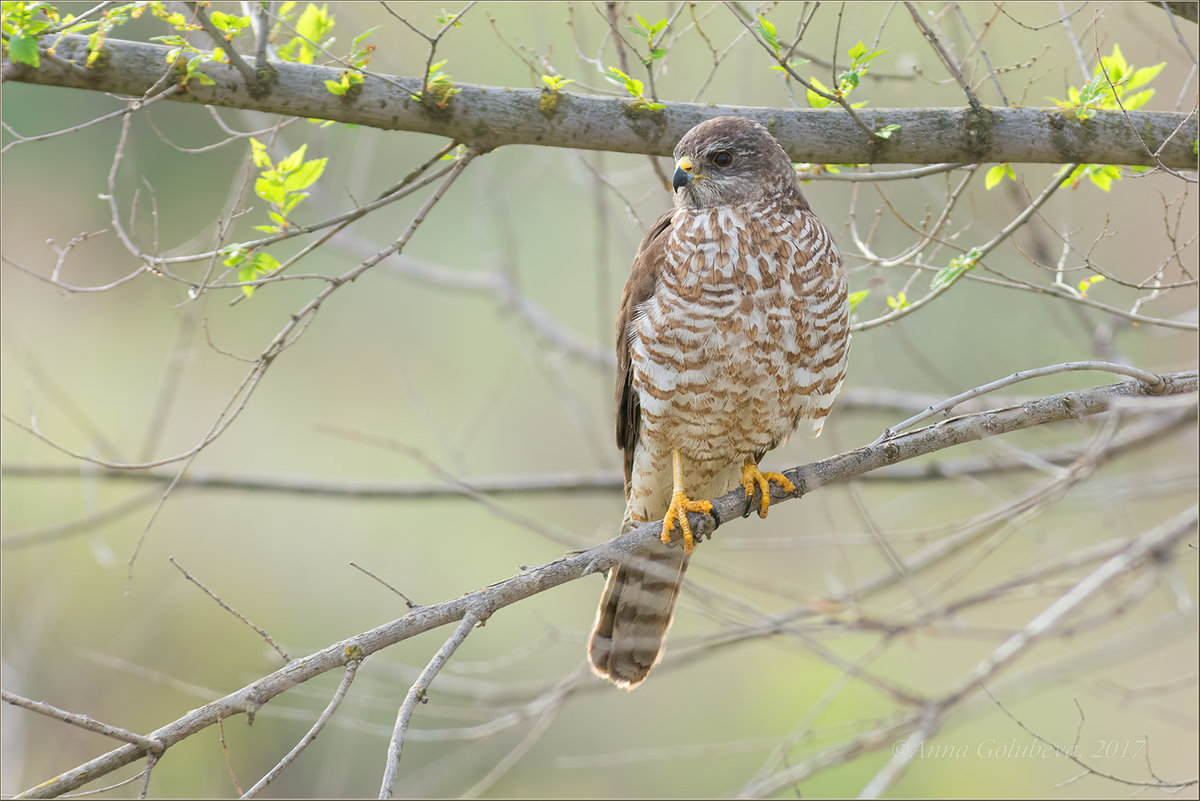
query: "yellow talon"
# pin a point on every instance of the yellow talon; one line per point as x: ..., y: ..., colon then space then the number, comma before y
x: 680, y: 506
x: 753, y: 477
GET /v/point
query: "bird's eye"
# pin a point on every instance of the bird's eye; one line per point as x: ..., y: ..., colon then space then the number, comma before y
x: 722, y: 158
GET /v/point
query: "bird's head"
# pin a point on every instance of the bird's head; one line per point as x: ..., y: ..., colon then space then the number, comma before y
x: 729, y: 160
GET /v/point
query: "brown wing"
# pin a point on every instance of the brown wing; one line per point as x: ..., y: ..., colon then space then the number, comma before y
x: 640, y: 285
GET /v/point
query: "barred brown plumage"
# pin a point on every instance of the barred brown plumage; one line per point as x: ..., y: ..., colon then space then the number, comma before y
x: 733, y: 327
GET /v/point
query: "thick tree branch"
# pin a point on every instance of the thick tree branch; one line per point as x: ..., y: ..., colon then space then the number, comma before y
x: 487, y: 117
x: 483, y: 602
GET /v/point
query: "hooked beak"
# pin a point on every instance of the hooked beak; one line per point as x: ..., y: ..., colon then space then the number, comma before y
x: 684, y: 173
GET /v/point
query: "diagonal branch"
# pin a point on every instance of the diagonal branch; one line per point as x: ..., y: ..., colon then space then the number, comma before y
x: 535, y: 580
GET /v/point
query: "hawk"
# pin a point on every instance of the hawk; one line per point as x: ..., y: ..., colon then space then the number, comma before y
x: 733, y: 327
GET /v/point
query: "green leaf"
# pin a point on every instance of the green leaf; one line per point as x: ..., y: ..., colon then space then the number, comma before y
x: 359, y: 39
x: 1103, y: 175
x: 1087, y: 283
x: 257, y: 265
x: 957, y: 267
x: 1137, y: 99
x: 856, y: 298
x: 259, y: 153
x: 315, y: 22
x: 768, y: 34
x: 293, y: 159
x: 23, y: 48
x: 247, y: 274
x: 657, y: 53
x: 265, y: 263
x: 997, y: 174
x: 336, y: 87
x: 556, y: 82
x: 229, y: 24
x: 305, y: 176
x: 1115, y: 64
x: 234, y: 256
x: 292, y: 201
x: 1144, y: 76
x: 269, y: 191
x: 886, y: 131
x: 814, y: 99
x: 856, y: 51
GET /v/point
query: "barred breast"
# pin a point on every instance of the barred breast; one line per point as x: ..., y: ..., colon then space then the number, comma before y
x: 745, y: 335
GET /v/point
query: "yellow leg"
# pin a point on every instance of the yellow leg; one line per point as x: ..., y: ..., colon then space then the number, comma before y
x: 752, y: 477
x: 680, y: 506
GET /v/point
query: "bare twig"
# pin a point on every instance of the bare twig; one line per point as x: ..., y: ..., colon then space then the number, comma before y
x: 418, y: 693
x: 261, y: 633
x: 317, y: 727
x: 148, y: 744
x: 1150, y: 379
x: 1072, y: 754
x: 947, y: 59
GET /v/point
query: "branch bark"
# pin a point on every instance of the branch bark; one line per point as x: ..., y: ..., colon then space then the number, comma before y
x: 490, y: 116
x: 483, y: 602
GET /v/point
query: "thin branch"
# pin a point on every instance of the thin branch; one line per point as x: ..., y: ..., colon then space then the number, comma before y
x: 1071, y: 754
x: 947, y: 59
x: 894, y: 175
x: 1151, y: 380
x: 306, y: 740
x: 261, y: 633
x: 418, y: 693
x: 148, y: 744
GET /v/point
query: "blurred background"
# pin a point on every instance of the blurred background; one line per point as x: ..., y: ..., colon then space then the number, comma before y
x: 484, y: 351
